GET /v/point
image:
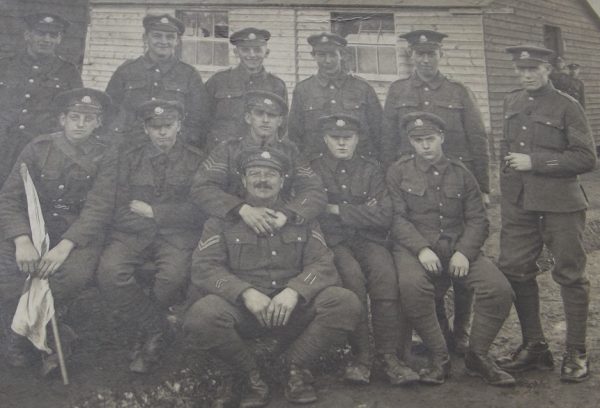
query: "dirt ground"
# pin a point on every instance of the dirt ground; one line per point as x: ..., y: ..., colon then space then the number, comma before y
x: 100, y: 379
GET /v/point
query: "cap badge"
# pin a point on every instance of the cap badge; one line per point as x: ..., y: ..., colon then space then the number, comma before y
x: 524, y: 55
x: 48, y: 19
x: 324, y: 39
x: 265, y: 155
x: 252, y: 36
x: 423, y: 38
x: 86, y: 99
x: 164, y: 20
x: 158, y: 110
x: 340, y: 123
x: 267, y: 101
x: 418, y: 122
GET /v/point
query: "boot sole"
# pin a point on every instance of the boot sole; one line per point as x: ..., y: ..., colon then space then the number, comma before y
x: 575, y: 379
x: 507, y: 383
x: 301, y: 400
x: 525, y: 369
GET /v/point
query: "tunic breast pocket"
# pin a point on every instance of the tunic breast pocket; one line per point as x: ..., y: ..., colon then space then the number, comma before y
x: 78, y: 183
x: 179, y: 186
x: 52, y: 184
x: 512, y: 125
x: 175, y: 90
x: 404, y: 106
x: 453, y: 196
x: 229, y: 101
x: 136, y: 91
x: 243, y: 251
x: 48, y: 87
x: 451, y: 112
x: 548, y: 133
x: 414, y: 195
x: 313, y: 109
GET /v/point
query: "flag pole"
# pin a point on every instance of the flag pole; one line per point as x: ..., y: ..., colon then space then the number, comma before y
x: 59, y: 351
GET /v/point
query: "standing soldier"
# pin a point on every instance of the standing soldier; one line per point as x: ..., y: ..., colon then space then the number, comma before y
x: 154, y: 220
x: 439, y: 227
x: 159, y: 74
x: 577, y: 89
x: 547, y: 143
x: 75, y: 176
x: 355, y: 225
x: 226, y: 89
x: 333, y: 90
x: 427, y: 89
x: 218, y: 189
x: 28, y: 82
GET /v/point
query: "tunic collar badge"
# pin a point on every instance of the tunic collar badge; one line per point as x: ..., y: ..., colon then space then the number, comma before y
x: 158, y: 110
x: 340, y: 123
x: 265, y: 155
x: 423, y: 38
x: 164, y: 20
x: 418, y: 122
x: 524, y: 55
x: 252, y: 36
x: 324, y: 39
x: 86, y: 99
x: 48, y: 19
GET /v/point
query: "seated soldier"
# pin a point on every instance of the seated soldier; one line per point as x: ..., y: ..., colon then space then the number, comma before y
x: 218, y: 189
x: 75, y: 177
x: 355, y: 226
x: 281, y: 283
x: 439, y: 227
x: 154, y: 220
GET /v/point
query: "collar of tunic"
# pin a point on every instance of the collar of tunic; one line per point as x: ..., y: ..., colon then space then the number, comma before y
x: 337, y: 81
x: 435, y: 83
x: 164, y: 66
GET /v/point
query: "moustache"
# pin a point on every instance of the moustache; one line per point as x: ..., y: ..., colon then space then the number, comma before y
x: 263, y: 184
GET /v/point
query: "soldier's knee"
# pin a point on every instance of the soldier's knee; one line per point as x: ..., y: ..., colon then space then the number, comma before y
x: 205, y: 314
x: 340, y: 307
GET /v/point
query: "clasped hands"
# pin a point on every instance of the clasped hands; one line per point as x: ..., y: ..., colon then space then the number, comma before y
x: 458, y: 267
x: 262, y: 220
x: 269, y: 312
x: 29, y: 261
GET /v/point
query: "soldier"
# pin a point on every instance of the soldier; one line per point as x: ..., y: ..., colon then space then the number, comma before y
x: 154, y: 220
x: 226, y: 89
x: 560, y: 75
x: 75, y: 177
x: 439, y: 227
x: 547, y: 143
x: 427, y: 89
x: 282, y: 283
x: 217, y: 187
x: 355, y: 226
x: 29, y: 81
x: 159, y: 74
x: 577, y: 90
x: 333, y: 90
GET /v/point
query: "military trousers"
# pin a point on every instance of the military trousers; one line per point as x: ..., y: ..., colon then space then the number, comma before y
x: 122, y: 290
x: 219, y: 326
x: 367, y: 269
x: 522, y: 238
x: 493, y: 299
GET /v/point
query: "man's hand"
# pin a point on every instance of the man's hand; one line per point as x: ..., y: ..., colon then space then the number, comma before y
x: 430, y: 261
x: 257, y: 303
x: 257, y: 218
x: 54, y: 258
x: 26, y: 255
x: 333, y: 209
x: 281, y: 307
x: 458, y: 266
x: 518, y: 161
x: 278, y: 219
x: 141, y: 208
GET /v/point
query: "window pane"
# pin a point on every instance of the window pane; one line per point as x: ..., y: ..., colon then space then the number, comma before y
x: 221, y: 25
x: 188, y: 51
x: 205, y: 23
x: 221, y: 53
x: 205, y: 53
x: 387, y: 60
x: 189, y: 19
x: 367, y: 60
x: 345, y: 24
x: 350, y: 58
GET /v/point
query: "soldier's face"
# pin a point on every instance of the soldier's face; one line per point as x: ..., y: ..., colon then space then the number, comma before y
x: 341, y: 146
x: 163, y: 136
x: 329, y: 62
x: 251, y: 57
x: 161, y: 44
x: 426, y: 62
x: 428, y: 147
x: 533, y: 78
x: 78, y: 126
x: 40, y: 43
x: 262, y: 183
x: 262, y: 123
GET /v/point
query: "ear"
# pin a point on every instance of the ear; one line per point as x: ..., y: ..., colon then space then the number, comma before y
x: 247, y: 117
x: 236, y: 52
x: 442, y: 137
x: 178, y: 125
x: 99, y: 118
x: 146, y: 129
x: 62, y: 119
x: 409, y: 52
x: 441, y: 53
x: 267, y: 52
x: 244, y: 179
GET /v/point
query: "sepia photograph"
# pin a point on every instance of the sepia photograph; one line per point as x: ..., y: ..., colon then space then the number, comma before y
x: 287, y: 203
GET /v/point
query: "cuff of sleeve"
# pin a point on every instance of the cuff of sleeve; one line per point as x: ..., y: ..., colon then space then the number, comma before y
x: 538, y: 162
x: 234, y: 292
x: 76, y: 238
x: 292, y: 217
x: 10, y: 233
x: 470, y: 253
x: 416, y: 246
x: 303, y: 292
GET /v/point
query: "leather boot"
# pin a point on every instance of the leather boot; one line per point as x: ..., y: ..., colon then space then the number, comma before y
x: 151, y: 352
x: 298, y: 390
x: 396, y: 371
x: 437, y: 372
x: 575, y: 366
x: 529, y: 356
x: 257, y: 393
x: 483, y: 366
x: 358, y: 373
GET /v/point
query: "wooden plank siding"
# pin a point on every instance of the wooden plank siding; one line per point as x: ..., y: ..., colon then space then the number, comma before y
x: 580, y: 33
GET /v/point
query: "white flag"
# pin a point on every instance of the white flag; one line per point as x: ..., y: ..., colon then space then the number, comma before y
x: 36, y: 305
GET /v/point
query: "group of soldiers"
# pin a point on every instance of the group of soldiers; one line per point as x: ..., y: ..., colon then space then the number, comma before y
x: 306, y: 222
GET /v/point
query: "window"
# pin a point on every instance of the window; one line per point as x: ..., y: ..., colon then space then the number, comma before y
x: 553, y: 39
x: 206, y: 38
x: 371, y: 41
